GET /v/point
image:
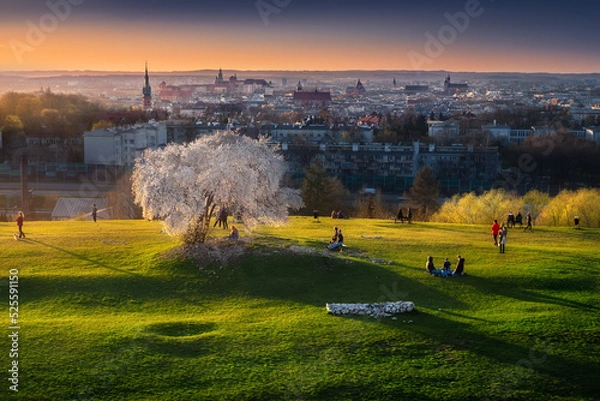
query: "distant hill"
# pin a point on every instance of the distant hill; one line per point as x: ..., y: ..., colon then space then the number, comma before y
x: 408, y: 75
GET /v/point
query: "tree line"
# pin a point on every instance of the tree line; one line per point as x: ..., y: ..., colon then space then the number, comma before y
x: 50, y: 115
x: 560, y: 210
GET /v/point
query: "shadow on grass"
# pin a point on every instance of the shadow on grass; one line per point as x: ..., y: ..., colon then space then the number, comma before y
x: 572, y: 377
x: 82, y: 258
x: 318, y: 277
x: 180, y: 339
x: 529, y: 290
x: 315, y: 278
x: 366, y: 391
x: 175, y: 281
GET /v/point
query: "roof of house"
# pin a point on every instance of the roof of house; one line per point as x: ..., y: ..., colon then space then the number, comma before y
x: 308, y: 96
x: 72, y: 208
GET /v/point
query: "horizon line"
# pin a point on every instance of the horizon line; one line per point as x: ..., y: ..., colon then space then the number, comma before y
x: 87, y: 71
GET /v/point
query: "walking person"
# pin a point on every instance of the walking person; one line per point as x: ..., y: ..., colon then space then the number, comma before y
x: 495, y: 231
x: 20, y: 220
x: 94, y: 212
x: 528, y: 226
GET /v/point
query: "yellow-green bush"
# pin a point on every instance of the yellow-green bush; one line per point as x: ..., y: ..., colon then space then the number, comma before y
x: 483, y: 209
x: 496, y: 204
x: 562, y: 209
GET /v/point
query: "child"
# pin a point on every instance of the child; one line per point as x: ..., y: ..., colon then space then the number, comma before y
x: 446, y: 268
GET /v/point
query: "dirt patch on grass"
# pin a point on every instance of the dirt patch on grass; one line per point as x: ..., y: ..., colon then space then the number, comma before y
x: 223, y: 252
x: 210, y: 253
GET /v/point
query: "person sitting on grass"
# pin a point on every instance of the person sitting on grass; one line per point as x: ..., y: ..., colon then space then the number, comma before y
x: 446, y: 270
x: 335, y: 236
x: 339, y: 242
x: 234, y: 234
x: 460, y: 267
x: 431, y: 268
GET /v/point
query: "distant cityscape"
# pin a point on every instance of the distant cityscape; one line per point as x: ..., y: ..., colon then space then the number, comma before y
x: 372, y: 130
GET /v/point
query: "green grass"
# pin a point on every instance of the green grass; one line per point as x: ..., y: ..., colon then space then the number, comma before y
x: 104, y: 317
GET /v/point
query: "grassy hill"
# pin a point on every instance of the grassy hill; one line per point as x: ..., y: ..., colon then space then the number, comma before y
x: 107, y: 312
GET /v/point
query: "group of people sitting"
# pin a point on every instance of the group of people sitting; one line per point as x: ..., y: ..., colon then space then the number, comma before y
x: 337, y: 214
x: 512, y: 220
x: 446, y: 270
x: 401, y: 217
x: 337, y: 242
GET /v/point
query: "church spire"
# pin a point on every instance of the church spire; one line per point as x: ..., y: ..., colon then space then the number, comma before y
x: 147, y: 90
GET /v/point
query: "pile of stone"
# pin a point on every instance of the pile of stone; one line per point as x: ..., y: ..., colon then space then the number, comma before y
x: 373, y: 310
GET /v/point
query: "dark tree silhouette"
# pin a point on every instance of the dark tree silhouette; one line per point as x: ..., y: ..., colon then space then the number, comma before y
x: 320, y: 191
x: 424, y: 191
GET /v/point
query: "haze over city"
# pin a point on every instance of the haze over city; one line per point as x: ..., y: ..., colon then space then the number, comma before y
x: 465, y: 35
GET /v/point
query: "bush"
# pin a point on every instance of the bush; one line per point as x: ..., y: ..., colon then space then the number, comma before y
x: 496, y: 204
x: 472, y: 209
x: 562, y: 210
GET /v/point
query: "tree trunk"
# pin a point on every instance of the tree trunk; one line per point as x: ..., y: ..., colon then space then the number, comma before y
x: 200, y: 226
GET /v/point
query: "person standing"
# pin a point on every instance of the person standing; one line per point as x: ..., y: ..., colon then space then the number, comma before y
x: 503, y: 234
x: 218, y: 218
x: 224, y: 216
x: 495, y: 230
x: 399, y: 216
x: 94, y: 212
x: 528, y: 226
x: 20, y: 220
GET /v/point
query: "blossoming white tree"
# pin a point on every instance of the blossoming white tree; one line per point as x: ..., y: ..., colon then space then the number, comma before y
x: 183, y: 184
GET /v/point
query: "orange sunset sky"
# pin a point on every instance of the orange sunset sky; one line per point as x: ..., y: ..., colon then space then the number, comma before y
x: 303, y: 35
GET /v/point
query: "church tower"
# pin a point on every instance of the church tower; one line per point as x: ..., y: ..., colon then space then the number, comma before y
x: 147, y: 91
x: 447, y: 84
x: 219, y: 79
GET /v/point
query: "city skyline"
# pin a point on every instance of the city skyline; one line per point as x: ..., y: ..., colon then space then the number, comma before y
x: 469, y: 35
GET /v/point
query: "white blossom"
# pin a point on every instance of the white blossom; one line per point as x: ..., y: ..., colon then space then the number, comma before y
x: 184, y: 183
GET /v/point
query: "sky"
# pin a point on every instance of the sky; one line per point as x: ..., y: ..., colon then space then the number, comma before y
x: 185, y: 35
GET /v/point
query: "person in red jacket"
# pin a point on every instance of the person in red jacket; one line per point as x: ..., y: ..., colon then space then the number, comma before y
x: 20, y: 219
x: 495, y: 230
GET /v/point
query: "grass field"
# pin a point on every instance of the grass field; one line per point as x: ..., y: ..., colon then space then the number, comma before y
x: 104, y: 314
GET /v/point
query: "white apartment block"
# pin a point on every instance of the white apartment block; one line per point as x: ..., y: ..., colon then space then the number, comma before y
x: 120, y: 146
x: 443, y: 128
